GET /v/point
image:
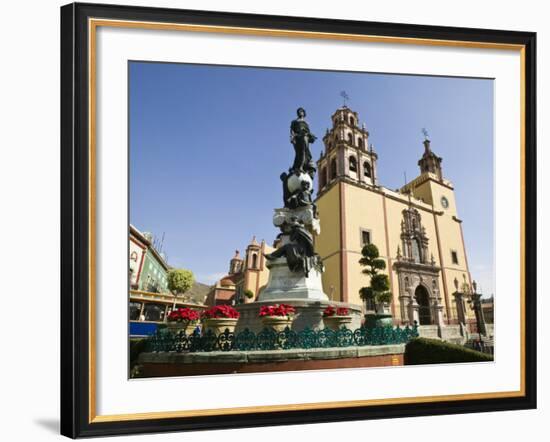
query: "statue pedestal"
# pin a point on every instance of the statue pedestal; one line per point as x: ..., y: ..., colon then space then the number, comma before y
x: 309, y: 313
x: 305, y: 294
x: 285, y: 284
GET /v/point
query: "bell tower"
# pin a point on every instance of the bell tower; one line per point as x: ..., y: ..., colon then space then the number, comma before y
x: 347, y: 154
x: 236, y: 264
x: 430, y: 162
x: 254, y: 258
x: 430, y: 186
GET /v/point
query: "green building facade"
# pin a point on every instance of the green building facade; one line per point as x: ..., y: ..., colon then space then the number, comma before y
x: 154, y: 273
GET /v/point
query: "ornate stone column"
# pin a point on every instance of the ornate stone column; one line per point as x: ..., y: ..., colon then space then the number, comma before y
x: 438, y: 311
x: 404, y: 301
x: 413, y: 311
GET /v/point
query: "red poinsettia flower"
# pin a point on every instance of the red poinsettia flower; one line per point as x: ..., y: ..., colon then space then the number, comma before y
x: 331, y: 311
x: 277, y: 310
x: 184, y: 314
x: 221, y: 311
x: 173, y: 316
x: 342, y: 311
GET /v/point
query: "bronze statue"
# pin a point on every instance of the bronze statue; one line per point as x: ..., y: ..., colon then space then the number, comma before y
x: 299, y: 252
x: 295, y: 236
x: 299, y: 198
x: 300, y: 137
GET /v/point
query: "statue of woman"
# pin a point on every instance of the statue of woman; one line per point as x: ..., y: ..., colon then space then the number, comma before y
x: 300, y: 137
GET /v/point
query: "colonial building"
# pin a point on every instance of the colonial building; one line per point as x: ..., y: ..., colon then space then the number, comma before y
x: 148, y: 268
x: 245, y: 273
x: 150, y: 301
x: 138, y: 248
x: 416, y: 228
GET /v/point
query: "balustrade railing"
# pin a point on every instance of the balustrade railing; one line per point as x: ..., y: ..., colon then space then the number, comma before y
x: 269, y: 339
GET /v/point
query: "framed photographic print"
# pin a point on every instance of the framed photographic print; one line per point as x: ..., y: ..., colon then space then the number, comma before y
x: 274, y: 220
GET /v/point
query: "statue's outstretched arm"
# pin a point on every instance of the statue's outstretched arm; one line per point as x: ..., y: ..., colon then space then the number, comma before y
x: 277, y: 253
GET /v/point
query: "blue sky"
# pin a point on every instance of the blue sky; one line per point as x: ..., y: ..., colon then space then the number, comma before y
x: 208, y: 143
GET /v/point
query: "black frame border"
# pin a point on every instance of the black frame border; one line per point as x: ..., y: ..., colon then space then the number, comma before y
x: 75, y: 220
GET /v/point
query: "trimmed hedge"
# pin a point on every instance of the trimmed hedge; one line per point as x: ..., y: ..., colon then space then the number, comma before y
x: 433, y: 351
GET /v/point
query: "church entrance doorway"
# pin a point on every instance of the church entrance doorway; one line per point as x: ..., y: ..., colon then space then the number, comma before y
x: 423, y: 299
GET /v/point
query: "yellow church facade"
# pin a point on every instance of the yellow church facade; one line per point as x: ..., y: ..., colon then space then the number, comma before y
x: 416, y: 229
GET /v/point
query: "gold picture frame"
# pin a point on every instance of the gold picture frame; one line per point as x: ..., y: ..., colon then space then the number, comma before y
x: 79, y: 54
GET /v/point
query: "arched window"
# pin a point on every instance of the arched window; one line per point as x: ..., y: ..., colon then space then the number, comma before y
x: 323, y: 177
x: 350, y: 138
x: 351, y: 120
x: 333, y: 170
x: 352, y: 164
x: 360, y: 142
x: 254, y: 261
x: 133, y: 256
x: 366, y: 169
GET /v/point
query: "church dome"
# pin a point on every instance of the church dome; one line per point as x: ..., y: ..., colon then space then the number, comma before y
x: 227, y: 282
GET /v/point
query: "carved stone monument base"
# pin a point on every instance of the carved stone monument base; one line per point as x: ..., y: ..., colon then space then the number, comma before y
x: 285, y: 284
x: 309, y: 313
x: 304, y: 214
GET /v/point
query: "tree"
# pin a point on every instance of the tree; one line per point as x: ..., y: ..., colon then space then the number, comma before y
x: 378, y: 289
x: 249, y: 294
x: 179, y: 281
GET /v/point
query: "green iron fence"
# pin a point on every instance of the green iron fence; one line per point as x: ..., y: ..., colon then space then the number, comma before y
x: 269, y: 339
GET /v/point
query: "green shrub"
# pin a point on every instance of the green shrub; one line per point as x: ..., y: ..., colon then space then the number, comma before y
x: 137, y: 346
x: 433, y: 351
x: 180, y: 280
x: 384, y: 297
x: 377, y: 290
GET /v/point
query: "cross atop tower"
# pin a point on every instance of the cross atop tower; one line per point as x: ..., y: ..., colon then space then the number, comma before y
x: 345, y: 96
x: 425, y: 133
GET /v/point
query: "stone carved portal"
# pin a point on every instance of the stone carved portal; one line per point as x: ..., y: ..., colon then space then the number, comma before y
x: 419, y: 294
